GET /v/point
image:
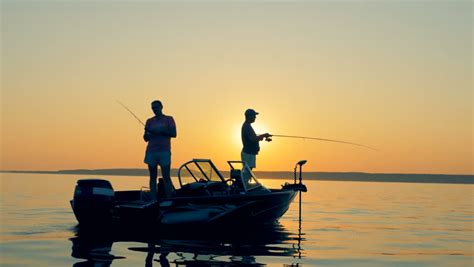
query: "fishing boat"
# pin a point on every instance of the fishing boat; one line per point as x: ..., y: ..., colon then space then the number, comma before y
x: 203, y: 197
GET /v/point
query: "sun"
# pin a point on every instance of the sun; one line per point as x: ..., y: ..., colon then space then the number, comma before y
x: 260, y: 128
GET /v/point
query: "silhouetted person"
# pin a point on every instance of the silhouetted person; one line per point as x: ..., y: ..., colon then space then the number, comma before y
x: 250, y: 139
x: 158, y: 133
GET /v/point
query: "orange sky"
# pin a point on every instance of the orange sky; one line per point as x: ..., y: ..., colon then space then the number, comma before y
x: 395, y: 76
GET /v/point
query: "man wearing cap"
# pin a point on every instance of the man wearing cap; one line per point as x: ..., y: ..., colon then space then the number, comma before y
x: 158, y: 133
x: 250, y: 139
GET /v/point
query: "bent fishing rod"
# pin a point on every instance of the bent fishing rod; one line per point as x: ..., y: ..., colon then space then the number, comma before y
x: 322, y: 139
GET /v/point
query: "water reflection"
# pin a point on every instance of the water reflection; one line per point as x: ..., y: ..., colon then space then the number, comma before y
x: 188, y: 247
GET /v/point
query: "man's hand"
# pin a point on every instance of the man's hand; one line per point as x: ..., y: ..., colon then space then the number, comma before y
x: 265, y: 136
x: 148, y: 134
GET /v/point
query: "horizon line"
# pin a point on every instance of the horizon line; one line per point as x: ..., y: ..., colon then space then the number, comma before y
x: 255, y: 171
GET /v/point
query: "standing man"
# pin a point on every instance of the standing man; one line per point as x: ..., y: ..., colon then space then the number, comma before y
x: 250, y: 139
x: 158, y: 133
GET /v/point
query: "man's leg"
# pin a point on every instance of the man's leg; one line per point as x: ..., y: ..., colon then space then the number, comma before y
x: 165, y: 171
x: 249, y: 160
x: 153, y: 169
x: 150, y: 255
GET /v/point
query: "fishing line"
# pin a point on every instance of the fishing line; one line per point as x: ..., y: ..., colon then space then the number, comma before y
x: 322, y: 139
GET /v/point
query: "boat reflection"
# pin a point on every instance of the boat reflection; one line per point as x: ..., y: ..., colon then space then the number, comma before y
x: 188, y: 247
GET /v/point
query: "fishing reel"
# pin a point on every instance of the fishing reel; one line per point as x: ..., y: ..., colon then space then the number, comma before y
x: 267, y: 137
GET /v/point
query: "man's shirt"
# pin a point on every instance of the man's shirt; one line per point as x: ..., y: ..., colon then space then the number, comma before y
x: 159, y: 143
x: 248, y: 137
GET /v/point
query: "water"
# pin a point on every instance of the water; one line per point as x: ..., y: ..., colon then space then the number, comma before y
x: 344, y: 224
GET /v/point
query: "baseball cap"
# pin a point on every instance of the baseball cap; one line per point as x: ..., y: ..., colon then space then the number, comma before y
x: 250, y: 112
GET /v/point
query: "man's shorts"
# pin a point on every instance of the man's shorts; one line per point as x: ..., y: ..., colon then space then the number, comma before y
x: 162, y: 158
x: 250, y: 159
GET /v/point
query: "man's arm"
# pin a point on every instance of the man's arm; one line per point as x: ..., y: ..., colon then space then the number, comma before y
x: 170, y: 131
x: 250, y: 133
x: 147, y: 134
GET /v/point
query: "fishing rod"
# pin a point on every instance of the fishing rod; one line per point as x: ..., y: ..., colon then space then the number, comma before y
x: 322, y: 139
x: 133, y: 114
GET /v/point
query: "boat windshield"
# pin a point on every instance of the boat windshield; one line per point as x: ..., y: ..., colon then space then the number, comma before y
x: 199, y: 170
x: 248, y: 178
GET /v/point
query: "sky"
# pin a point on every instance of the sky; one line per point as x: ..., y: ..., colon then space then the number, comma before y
x: 394, y: 75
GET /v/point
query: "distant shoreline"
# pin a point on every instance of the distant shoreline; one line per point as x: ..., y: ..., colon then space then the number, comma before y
x: 318, y: 176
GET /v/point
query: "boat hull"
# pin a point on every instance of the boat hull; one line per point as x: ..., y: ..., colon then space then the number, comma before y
x: 228, y: 210
x: 236, y: 209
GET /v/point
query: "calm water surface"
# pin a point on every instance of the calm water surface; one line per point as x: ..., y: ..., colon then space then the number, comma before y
x: 344, y: 224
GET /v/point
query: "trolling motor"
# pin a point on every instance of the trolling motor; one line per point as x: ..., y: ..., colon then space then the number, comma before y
x: 297, y: 185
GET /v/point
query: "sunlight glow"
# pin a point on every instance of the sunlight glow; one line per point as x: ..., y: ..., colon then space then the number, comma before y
x: 403, y: 85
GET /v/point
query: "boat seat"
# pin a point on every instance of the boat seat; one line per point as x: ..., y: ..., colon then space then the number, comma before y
x: 193, y: 189
x: 235, y: 174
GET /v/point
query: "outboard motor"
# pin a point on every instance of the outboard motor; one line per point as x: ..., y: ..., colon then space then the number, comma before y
x: 93, y: 201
